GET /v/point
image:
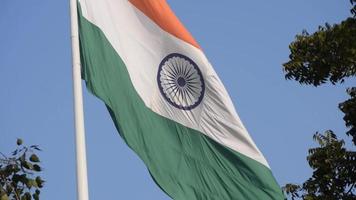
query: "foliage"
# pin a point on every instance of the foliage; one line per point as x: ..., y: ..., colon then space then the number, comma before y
x: 334, y: 175
x: 328, y: 55
x: 19, y: 179
x: 349, y: 109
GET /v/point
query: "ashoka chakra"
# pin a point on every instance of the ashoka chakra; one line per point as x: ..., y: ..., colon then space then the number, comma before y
x: 180, y: 81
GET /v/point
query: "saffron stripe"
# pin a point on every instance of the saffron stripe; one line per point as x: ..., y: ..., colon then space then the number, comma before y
x: 160, y: 12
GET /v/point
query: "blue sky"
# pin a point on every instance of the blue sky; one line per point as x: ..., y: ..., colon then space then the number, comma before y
x: 246, y: 41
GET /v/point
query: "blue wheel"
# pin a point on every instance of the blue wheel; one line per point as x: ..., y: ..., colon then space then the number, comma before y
x: 180, y: 81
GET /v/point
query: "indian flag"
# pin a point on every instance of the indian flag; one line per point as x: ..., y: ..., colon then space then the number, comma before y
x: 168, y: 103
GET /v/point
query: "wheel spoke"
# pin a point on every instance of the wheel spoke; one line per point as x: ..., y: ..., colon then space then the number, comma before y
x: 181, y: 82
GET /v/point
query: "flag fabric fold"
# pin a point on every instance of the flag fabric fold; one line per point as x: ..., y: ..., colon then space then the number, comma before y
x: 168, y: 103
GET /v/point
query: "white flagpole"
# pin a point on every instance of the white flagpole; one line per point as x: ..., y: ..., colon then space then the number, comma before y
x: 82, y: 177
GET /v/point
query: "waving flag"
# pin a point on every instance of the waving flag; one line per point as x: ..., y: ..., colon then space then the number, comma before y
x: 168, y: 103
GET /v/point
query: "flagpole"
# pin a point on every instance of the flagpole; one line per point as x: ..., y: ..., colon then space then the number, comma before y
x: 82, y: 177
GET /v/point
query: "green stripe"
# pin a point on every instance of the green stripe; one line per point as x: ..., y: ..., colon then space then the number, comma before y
x: 185, y: 163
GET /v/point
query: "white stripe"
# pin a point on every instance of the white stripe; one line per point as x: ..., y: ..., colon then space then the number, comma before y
x: 142, y: 45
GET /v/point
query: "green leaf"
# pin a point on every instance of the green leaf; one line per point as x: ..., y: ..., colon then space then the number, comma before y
x: 16, y: 178
x: 27, y: 165
x: 23, y: 178
x: 34, y: 158
x: 39, y: 182
x: 37, y: 168
x: 19, y: 142
x: 36, y: 196
x: 31, y: 183
x: 27, y: 196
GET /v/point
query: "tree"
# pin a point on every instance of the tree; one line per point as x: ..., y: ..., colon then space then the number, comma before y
x: 328, y: 55
x: 19, y: 173
x: 334, y: 172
